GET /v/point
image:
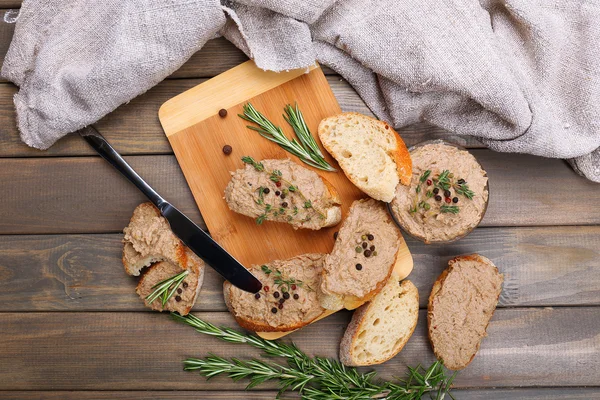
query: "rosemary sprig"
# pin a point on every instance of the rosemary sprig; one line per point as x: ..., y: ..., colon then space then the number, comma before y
x: 449, y: 209
x: 257, y: 165
x: 167, y: 288
x: 314, y: 378
x: 275, y: 134
x: 463, y: 188
x: 443, y: 180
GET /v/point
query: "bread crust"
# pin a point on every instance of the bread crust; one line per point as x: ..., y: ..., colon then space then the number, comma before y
x: 354, y: 327
x: 437, y: 286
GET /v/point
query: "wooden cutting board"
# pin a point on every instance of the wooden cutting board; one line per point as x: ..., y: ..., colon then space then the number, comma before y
x: 197, y: 134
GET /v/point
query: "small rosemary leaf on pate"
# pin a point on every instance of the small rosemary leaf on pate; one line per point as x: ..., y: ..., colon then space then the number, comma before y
x: 429, y: 194
x: 265, y: 269
x: 449, y: 209
x: 307, y: 204
x: 257, y: 165
x: 464, y: 190
x: 443, y: 181
x: 424, y: 176
x: 293, y: 188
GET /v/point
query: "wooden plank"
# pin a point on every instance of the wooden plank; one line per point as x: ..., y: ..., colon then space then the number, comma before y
x: 144, y: 351
x: 555, y: 266
x: 463, y: 394
x: 85, y: 195
x: 134, y: 128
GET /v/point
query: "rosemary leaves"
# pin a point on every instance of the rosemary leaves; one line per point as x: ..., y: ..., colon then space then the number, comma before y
x: 166, y: 289
x: 314, y: 378
x: 305, y: 148
x: 435, y: 187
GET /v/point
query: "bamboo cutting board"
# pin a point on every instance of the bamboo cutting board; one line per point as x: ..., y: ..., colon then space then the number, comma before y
x: 197, y: 134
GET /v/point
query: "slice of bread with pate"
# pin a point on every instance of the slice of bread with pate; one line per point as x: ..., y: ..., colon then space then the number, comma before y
x: 369, y: 151
x: 288, y: 300
x: 283, y: 191
x: 461, y: 304
x: 149, y: 242
x: 380, y: 328
x: 363, y: 256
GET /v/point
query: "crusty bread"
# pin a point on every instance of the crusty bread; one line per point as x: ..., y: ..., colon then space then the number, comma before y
x: 380, y: 328
x: 185, y: 297
x: 343, y: 284
x: 461, y: 304
x: 314, y: 204
x: 255, y: 313
x: 369, y: 151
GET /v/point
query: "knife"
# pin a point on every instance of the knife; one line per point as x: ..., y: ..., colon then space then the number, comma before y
x: 189, y: 233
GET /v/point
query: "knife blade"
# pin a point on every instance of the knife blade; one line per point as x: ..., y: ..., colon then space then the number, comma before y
x: 185, y: 229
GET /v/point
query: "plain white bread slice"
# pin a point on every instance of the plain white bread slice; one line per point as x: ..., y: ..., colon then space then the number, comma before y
x: 380, y: 329
x: 369, y: 151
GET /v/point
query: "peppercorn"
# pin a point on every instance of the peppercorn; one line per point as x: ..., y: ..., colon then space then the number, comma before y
x: 284, y: 204
x: 222, y: 113
x: 266, y: 190
x: 179, y: 290
x: 374, y: 253
x: 364, y: 237
x: 455, y: 200
x: 448, y: 200
x: 227, y: 149
x: 266, y: 288
x: 372, y: 248
x: 286, y: 295
x: 281, y: 306
x: 358, y: 249
x: 436, y: 191
x: 257, y: 296
x: 283, y: 289
x: 281, y: 301
x: 364, y: 245
x: 358, y: 267
x: 367, y: 253
x: 277, y: 193
x: 282, y: 196
x: 185, y: 284
x: 296, y: 297
x: 276, y: 295
x: 335, y: 235
x: 461, y: 181
x: 293, y: 287
x: 447, y: 193
x: 274, y: 310
x: 370, y: 237
x: 177, y: 298
x: 278, y: 184
x: 429, y: 182
x: 438, y: 198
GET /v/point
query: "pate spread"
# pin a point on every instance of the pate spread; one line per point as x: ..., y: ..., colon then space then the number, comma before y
x: 289, y: 298
x: 447, y: 197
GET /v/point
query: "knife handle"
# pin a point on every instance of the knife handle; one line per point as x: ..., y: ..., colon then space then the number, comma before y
x: 106, y: 151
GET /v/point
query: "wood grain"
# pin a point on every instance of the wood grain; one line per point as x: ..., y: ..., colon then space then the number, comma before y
x: 143, y: 351
x: 565, y: 393
x: 543, y: 266
x: 133, y: 128
x: 85, y: 195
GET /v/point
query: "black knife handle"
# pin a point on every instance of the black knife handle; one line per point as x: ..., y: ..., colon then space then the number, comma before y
x: 106, y: 151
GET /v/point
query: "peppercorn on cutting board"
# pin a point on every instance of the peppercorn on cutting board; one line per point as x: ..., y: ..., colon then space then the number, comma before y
x: 198, y: 133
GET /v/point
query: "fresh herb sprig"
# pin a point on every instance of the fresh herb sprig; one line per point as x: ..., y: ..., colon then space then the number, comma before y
x: 449, y: 209
x: 314, y: 378
x: 257, y: 165
x: 166, y: 289
x: 304, y: 149
x: 443, y: 180
x: 463, y: 189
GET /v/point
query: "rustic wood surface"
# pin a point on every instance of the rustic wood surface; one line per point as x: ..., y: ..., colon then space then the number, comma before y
x: 71, y: 326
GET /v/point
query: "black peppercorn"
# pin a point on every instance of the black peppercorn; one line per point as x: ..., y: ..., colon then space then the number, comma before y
x: 364, y: 245
x: 276, y: 295
x: 455, y: 200
x: 296, y: 297
x: 281, y: 306
x: 461, y: 181
x: 277, y: 193
x: 438, y: 198
x: 178, y: 298
x: 257, y: 296
x: 358, y: 267
x: 281, y: 301
x: 367, y: 253
x: 179, y: 290
x: 227, y: 149
x: 284, y: 204
x: 274, y: 310
x: 286, y: 295
x: 335, y: 235
x: 372, y: 248
x: 370, y: 237
x: 282, y: 196
x: 447, y: 193
x: 436, y: 191
x: 266, y: 190
x: 222, y: 113
x: 185, y: 284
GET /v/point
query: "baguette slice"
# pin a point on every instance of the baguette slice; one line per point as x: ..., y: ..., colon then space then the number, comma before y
x: 369, y: 151
x: 461, y: 304
x: 345, y: 286
x: 380, y: 329
x: 312, y: 204
x: 164, y: 270
x: 255, y: 313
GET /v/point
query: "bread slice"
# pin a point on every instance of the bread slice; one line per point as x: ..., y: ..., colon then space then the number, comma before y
x: 461, y: 304
x: 345, y: 285
x: 380, y: 328
x: 305, y: 199
x: 302, y: 275
x: 185, y: 297
x: 369, y: 151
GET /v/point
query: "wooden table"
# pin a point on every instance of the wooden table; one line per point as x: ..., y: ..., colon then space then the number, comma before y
x: 72, y: 327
